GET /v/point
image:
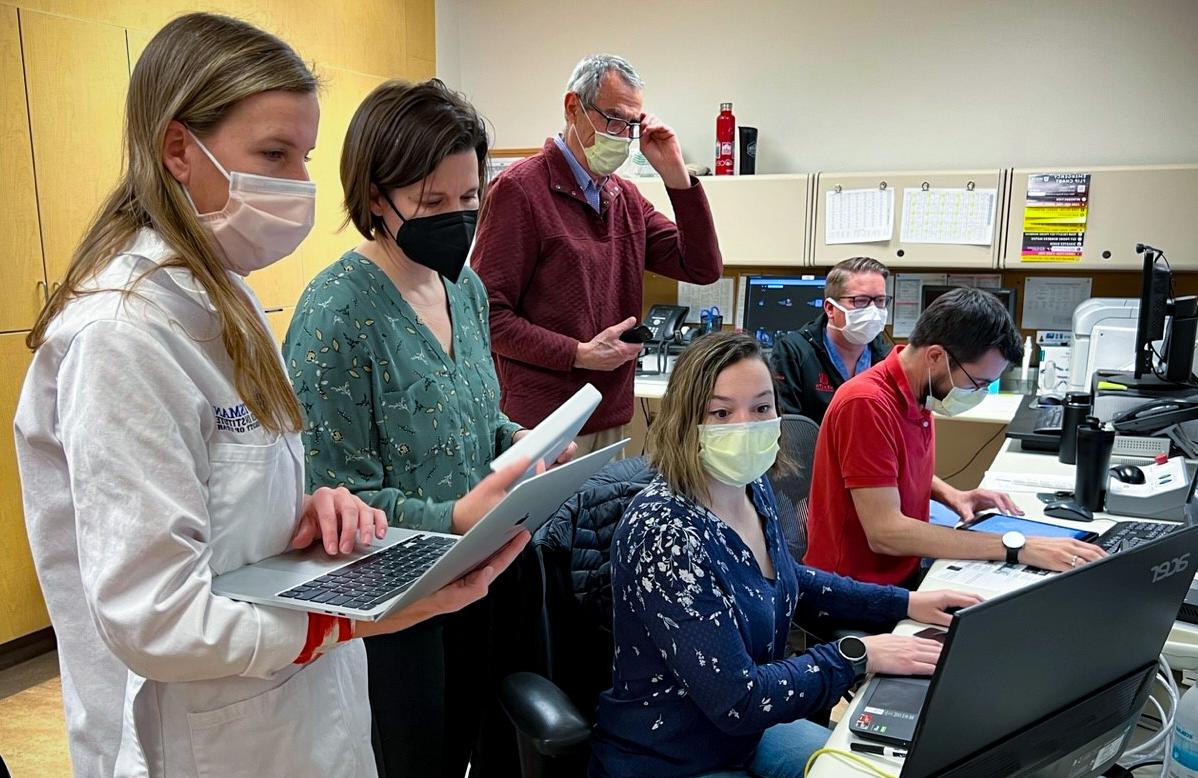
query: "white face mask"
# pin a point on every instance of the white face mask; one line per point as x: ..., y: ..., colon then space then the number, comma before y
x: 861, y: 325
x: 607, y: 153
x: 957, y: 401
x: 738, y: 454
x: 264, y: 220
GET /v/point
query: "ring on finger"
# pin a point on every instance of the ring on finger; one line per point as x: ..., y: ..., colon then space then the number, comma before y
x: 1073, y: 561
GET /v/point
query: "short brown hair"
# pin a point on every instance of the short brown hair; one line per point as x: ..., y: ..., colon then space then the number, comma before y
x: 398, y: 136
x: 672, y: 442
x: 838, y: 277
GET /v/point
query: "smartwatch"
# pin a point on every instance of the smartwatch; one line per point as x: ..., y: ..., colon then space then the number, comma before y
x: 1013, y: 542
x: 854, y: 652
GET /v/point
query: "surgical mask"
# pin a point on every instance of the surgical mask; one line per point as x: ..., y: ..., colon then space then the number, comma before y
x: 738, y: 454
x: 957, y: 401
x: 861, y: 325
x: 440, y: 242
x: 264, y: 220
x: 607, y: 153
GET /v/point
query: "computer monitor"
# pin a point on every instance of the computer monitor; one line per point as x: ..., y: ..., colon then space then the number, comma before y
x: 777, y: 305
x: 1154, y: 307
x: 930, y: 292
x: 1050, y: 680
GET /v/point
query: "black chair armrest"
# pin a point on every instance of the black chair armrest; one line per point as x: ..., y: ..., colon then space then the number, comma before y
x: 543, y: 714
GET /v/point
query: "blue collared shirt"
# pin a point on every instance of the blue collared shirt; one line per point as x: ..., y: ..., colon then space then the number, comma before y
x: 590, y: 188
x: 863, y: 362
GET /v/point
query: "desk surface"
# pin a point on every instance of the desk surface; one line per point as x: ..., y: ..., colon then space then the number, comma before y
x: 993, y: 409
x: 1181, y: 647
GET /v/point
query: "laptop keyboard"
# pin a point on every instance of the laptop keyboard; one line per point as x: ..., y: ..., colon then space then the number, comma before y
x: 374, y: 579
x: 1048, y: 420
x: 1126, y: 535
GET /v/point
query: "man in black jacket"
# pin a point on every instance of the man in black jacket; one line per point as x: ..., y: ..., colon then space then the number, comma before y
x: 846, y: 339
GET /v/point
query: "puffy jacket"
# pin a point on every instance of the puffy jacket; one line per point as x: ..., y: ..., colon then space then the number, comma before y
x: 803, y: 369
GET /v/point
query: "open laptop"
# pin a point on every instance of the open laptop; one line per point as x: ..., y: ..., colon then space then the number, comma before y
x: 406, y: 565
x: 549, y: 439
x: 1047, y: 680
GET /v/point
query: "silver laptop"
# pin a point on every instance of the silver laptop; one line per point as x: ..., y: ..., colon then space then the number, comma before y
x: 549, y: 439
x: 406, y: 565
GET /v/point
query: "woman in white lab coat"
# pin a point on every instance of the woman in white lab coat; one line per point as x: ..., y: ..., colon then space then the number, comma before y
x: 158, y: 447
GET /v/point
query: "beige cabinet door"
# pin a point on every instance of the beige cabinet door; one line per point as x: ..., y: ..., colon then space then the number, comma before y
x: 77, y: 75
x: 22, y: 609
x: 22, y: 276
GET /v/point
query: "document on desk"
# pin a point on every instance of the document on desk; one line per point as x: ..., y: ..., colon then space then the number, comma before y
x: 992, y: 576
x: 1026, y: 482
x: 703, y: 297
x: 859, y: 216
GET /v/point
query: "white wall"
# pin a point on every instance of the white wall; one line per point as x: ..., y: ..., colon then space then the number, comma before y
x: 856, y: 84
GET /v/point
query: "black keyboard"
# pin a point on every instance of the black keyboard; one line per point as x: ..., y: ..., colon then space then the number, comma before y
x: 373, y: 579
x: 1126, y: 535
x: 1048, y: 420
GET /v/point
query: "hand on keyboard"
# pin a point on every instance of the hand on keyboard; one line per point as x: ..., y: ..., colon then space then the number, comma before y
x: 1058, y: 554
x: 340, y: 518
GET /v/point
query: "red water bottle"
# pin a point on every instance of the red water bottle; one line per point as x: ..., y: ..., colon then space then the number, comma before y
x: 725, y: 141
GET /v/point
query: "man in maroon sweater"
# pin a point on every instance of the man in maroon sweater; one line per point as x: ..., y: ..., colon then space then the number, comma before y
x: 563, y: 245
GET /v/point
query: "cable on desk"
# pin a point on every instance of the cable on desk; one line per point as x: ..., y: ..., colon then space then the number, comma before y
x: 1002, y: 429
x: 856, y: 761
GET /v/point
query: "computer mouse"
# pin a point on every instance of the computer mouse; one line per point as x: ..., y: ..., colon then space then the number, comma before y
x: 638, y: 334
x: 1045, y: 400
x: 1068, y: 509
x: 1128, y: 474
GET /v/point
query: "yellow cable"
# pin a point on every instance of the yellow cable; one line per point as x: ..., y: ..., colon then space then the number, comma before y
x: 855, y: 760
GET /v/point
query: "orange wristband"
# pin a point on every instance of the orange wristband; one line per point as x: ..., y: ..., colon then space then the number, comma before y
x: 324, y: 632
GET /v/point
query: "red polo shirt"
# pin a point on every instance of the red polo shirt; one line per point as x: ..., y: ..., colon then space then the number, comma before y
x: 874, y: 434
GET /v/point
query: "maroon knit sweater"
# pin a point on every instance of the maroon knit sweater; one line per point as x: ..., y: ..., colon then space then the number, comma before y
x: 557, y: 273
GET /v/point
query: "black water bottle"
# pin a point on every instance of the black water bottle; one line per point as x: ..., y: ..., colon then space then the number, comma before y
x: 1075, y: 410
x: 1094, y: 446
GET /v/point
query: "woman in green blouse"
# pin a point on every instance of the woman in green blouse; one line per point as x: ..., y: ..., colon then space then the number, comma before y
x: 390, y: 354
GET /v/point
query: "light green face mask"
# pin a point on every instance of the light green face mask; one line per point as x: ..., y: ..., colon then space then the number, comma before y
x: 607, y: 153
x: 738, y: 454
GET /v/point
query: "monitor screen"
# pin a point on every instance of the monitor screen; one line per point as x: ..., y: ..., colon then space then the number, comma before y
x: 930, y: 292
x: 776, y: 305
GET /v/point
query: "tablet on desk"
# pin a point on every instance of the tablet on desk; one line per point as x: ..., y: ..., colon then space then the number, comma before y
x: 1000, y: 523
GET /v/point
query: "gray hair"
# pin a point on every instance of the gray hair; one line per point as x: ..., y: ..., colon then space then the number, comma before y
x: 589, y: 72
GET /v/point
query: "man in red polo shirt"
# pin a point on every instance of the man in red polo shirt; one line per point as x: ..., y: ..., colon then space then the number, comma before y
x: 875, y: 457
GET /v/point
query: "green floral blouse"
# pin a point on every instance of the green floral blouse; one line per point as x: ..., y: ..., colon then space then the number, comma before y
x: 390, y: 416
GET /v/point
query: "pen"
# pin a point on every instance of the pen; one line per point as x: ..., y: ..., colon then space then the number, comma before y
x: 869, y: 748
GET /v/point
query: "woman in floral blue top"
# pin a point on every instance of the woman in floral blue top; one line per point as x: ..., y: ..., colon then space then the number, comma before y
x: 704, y: 592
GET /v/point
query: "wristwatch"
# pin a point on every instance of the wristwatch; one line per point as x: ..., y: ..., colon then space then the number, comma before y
x: 1013, y: 542
x: 853, y: 651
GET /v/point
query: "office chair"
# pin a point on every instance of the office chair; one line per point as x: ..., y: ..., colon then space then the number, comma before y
x: 792, y: 486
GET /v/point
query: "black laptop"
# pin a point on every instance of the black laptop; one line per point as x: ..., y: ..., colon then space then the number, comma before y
x: 1041, y: 678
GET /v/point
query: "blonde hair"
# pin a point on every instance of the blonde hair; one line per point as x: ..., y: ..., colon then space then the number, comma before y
x: 672, y: 442
x: 194, y: 71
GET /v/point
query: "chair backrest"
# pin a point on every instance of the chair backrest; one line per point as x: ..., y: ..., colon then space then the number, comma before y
x: 793, y: 487
x: 573, y: 549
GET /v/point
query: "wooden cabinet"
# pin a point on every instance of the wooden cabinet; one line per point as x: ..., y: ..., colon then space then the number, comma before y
x: 22, y: 276
x: 760, y: 220
x: 22, y: 609
x: 77, y: 74
x: 1153, y: 204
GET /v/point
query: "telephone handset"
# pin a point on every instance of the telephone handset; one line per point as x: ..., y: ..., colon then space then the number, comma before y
x: 1156, y: 415
x: 663, y: 320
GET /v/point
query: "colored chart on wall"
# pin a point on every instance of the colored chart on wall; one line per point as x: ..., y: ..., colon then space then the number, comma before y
x: 1054, y: 217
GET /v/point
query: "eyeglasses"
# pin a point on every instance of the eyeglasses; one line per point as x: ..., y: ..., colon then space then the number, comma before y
x: 864, y: 301
x: 976, y: 384
x: 618, y: 126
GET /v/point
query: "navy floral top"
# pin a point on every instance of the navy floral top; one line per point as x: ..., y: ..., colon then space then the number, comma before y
x: 700, y: 638
x: 391, y: 416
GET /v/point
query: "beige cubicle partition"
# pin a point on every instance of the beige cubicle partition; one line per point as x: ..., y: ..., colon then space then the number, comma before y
x: 761, y: 220
x: 1156, y: 204
x: 894, y: 252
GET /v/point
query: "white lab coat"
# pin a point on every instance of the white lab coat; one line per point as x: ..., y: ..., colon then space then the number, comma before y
x: 143, y: 477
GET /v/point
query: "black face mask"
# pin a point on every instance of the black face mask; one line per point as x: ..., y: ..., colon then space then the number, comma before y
x: 440, y: 242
